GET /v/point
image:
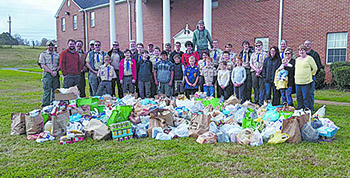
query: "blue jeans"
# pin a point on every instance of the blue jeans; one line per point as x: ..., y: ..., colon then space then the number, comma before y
x: 276, y: 94
x: 210, y: 90
x: 304, y: 96
x: 239, y: 92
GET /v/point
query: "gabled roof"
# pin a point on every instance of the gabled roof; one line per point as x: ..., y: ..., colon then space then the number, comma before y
x: 86, y: 4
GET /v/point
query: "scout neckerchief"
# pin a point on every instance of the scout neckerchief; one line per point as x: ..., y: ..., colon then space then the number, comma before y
x: 98, y: 56
x: 245, y: 56
x: 107, y: 72
x: 127, y: 64
x: 215, y: 55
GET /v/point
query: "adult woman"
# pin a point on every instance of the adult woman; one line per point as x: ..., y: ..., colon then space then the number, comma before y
x: 270, y: 65
x: 189, y: 52
x: 288, y: 54
x: 305, y: 69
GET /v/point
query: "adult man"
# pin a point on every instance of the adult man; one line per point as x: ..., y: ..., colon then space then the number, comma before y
x: 49, y: 62
x: 256, y: 64
x: 116, y: 56
x: 201, y: 37
x: 215, y: 53
x: 140, y: 47
x: 82, y: 55
x: 316, y: 56
x: 283, y: 47
x: 94, y: 60
x: 92, y: 45
x: 177, y: 50
x: 132, y: 46
x: 168, y: 49
x: 245, y: 56
x: 151, y: 49
x: 70, y: 65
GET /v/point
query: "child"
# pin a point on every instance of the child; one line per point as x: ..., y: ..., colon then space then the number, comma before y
x: 191, y: 77
x: 201, y: 64
x: 281, y: 81
x: 238, y: 77
x: 106, y: 73
x: 164, y: 74
x: 144, y: 68
x: 209, y: 73
x: 154, y: 59
x: 179, y: 69
x: 230, y: 63
x: 127, y: 72
x: 224, y: 80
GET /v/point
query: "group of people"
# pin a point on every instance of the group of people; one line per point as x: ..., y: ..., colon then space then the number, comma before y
x: 152, y: 71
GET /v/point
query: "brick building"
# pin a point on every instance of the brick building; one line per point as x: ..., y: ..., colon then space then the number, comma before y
x: 325, y: 22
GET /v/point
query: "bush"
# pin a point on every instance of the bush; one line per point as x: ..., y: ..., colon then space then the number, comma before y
x: 320, y: 79
x: 341, y: 77
x: 334, y: 66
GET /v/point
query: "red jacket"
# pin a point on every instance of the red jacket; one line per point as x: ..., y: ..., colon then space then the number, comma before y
x: 186, y: 56
x: 70, y: 63
x: 121, y: 69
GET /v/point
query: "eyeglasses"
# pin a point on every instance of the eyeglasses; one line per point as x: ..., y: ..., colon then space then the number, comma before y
x: 97, y: 45
x: 287, y: 53
x: 257, y: 45
x: 115, y: 45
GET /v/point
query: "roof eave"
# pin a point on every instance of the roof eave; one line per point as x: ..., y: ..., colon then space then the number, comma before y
x: 101, y: 6
x: 61, y: 6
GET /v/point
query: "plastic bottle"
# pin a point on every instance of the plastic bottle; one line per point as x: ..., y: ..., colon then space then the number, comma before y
x: 48, y: 126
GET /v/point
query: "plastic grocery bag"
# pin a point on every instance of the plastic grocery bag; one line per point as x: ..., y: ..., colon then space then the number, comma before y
x: 271, y: 116
x: 278, y: 137
x: 156, y: 131
x: 213, y: 127
x: 248, y: 123
x: 182, y: 130
x: 239, y: 114
x: 233, y: 134
x: 244, y: 137
x: 269, y: 130
x: 119, y: 114
x: 222, y: 138
x: 163, y: 136
x: 156, y: 121
x: 328, y: 123
x: 207, y: 137
x: 291, y: 127
x: 18, y: 124
x: 256, y: 139
x: 320, y: 112
x: 309, y: 134
x: 140, y: 131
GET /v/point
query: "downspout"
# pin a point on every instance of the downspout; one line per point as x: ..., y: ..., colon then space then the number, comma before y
x: 280, y: 24
x: 129, y: 15
x: 86, y: 31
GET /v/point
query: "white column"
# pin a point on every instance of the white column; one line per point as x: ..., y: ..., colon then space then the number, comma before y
x: 166, y: 22
x: 139, y: 23
x: 280, y: 24
x: 207, y: 14
x: 112, y: 28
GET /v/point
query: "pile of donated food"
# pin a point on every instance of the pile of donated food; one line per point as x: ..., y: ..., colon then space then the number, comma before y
x: 70, y: 119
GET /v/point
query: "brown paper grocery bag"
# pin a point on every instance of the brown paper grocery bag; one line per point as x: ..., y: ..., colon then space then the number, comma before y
x: 97, y: 130
x: 18, y: 124
x: 59, y: 124
x: 34, y: 123
x: 156, y: 121
x: 199, y: 125
x: 291, y: 127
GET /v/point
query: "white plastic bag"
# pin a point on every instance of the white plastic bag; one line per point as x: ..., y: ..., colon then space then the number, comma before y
x: 256, y: 139
x: 320, y: 112
x: 234, y: 133
x: 181, y: 130
x: 155, y: 131
x: 222, y: 138
x: 213, y: 127
x: 163, y: 136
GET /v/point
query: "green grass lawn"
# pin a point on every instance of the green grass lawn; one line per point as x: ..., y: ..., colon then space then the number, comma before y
x: 19, y: 56
x: 332, y: 95
x: 183, y: 157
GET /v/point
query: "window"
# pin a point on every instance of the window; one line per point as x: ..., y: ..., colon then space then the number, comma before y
x: 68, y: 3
x: 265, y: 43
x: 63, y: 25
x: 75, y: 22
x: 336, y: 47
x: 92, y: 19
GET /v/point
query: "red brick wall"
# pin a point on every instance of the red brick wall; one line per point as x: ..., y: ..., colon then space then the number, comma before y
x: 313, y: 20
x: 100, y: 31
x: 78, y: 34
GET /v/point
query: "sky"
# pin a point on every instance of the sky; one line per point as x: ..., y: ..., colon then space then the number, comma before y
x: 32, y: 19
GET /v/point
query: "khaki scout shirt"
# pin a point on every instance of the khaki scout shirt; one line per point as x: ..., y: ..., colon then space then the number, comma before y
x: 103, y: 73
x: 45, y: 59
x: 115, y: 60
x: 97, y: 64
x: 254, y: 59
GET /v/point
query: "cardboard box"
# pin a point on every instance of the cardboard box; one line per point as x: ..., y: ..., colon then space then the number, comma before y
x: 71, y: 93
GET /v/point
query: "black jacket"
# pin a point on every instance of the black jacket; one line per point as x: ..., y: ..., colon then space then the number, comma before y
x: 173, y: 53
x: 317, y: 59
x: 270, y: 66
